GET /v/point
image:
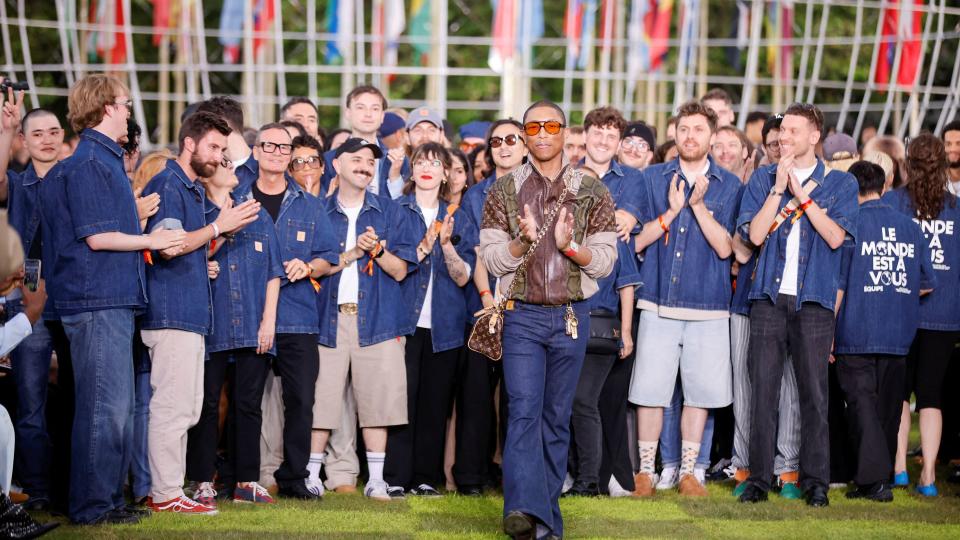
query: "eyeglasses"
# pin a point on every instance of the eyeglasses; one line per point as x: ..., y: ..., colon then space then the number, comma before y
x: 226, y: 163
x: 637, y: 145
x: 422, y: 163
x: 128, y: 104
x: 466, y: 147
x: 773, y: 145
x: 552, y: 126
x: 298, y: 163
x: 269, y: 147
x: 496, y: 142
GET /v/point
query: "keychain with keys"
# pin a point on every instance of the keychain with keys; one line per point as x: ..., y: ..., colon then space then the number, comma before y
x: 572, y: 322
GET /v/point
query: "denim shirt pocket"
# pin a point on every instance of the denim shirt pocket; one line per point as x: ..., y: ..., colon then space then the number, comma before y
x: 299, y: 238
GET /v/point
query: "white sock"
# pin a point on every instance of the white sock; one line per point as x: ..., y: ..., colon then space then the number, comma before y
x: 316, y: 462
x: 688, y: 456
x: 648, y: 456
x: 375, y: 465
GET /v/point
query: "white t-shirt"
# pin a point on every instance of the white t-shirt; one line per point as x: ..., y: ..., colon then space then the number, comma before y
x: 347, y: 291
x: 788, y: 282
x: 692, y: 177
x: 429, y: 216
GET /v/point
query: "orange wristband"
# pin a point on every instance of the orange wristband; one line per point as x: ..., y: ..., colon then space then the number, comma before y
x: 804, y: 206
x: 485, y: 292
x: 666, y: 229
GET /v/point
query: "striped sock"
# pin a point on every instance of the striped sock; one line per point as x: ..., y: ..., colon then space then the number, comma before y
x: 375, y: 464
x: 648, y: 455
x: 315, y: 463
x: 688, y: 456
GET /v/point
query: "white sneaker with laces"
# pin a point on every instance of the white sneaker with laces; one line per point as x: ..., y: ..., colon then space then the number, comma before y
x: 315, y: 486
x: 615, y: 489
x: 700, y: 475
x: 669, y: 478
x: 377, y: 490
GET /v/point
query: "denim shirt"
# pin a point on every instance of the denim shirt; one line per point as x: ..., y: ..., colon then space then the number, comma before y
x: 23, y: 204
x: 329, y: 172
x: 881, y: 276
x: 836, y: 194
x: 448, y: 308
x: 248, y: 260
x: 304, y: 232
x: 683, y: 276
x: 939, y: 310
x: 625, y: 273
x: 177, y: 287
x: 740, y: 304
x: 247, y: 173
x: 382, y: 315
x: 629, y: 191
x: 84, y: 195
x: 472, y: 205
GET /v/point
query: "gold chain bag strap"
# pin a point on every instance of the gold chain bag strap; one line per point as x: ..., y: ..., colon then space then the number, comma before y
x: 486, y: 337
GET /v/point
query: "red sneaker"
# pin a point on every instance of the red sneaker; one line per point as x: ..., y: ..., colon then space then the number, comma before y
x: 183, y: 505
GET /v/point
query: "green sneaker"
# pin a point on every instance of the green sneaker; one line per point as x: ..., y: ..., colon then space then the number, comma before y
x: 741, y: 487
x: 791, y: 490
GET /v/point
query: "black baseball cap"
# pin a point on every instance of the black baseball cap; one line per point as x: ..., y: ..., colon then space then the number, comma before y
x: 355, y: 144
x: 642, y: 130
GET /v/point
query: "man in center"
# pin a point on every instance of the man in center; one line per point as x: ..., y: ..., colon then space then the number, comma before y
x: 546, y: 322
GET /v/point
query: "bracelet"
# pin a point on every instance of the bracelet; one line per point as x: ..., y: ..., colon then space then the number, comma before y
x: 804, y: 206
x: 309, y: 267
x: 572, y: 249
x: 665, y: 228
x: 216, y: 229
x: 485, y: 292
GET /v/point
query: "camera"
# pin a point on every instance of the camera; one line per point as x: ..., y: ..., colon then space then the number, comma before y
x: 16, y: 86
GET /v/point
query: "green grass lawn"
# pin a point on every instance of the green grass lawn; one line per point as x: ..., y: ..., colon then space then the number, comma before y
x: 666, y: 516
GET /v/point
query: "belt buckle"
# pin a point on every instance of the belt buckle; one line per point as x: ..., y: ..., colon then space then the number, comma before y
x: 349, y: 309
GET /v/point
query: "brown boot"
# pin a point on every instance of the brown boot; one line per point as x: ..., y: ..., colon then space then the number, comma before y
x: 644, y: 485
x: 691, y: 487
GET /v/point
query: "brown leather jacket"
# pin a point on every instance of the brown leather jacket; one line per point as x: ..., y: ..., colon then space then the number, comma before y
x: 551, y: 277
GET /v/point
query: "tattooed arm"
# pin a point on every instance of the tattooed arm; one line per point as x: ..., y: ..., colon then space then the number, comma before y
x: 457, y: 268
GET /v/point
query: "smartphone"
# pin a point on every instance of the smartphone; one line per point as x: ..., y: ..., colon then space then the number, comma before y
x: 31, y: 274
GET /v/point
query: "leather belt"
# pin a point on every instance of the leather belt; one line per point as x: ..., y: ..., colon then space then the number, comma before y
x: 349, y: 309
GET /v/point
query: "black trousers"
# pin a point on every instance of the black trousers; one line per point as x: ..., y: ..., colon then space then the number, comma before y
x: 873, y: 387
x: 415, y: 451
x: 807, y: 334
x: 298, y: 363
x: 843, y: 456
x: 247, y: 376
x: 477, y: 380
x: 587, y: 426
x: 615, y: 458
x: 60, y: 410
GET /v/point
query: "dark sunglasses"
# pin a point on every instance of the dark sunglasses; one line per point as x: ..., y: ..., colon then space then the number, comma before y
x: 298, y: 164
x: 496, y: 142
x: 552, y: 126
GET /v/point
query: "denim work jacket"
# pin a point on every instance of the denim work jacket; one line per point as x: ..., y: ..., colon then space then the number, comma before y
x: 304, y: 233
x: 837, y: 195
x: 683, y: 276
x: 329, y: 172
x: 939, y: 310
x: 23, y: 205
x: 87, y: 194
x: 448, y: 308
x: 629, y: 192
x: 248, y: 260
x: 472, y: 206
x: 382, y: 314
x: 178, y: 288
x: 881, y: 276
x: 625, y: 273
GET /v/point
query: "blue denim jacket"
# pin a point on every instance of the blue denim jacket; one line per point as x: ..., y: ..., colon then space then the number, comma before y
x: 304, y: 233
x: 329, y: 172
x: 448, y: 307
x: 247, y: 173
x: 881, y: 276
x: 23, y: 204
x: 740, y: 303
x: 87, y: 194
x: 625, y: 273
x: 179, y: 289
x: 939, y: 310
x: 382, y: 314
x: 472, y: 205
x: 837, y: 195
x: 247, y: 261
x: 629, y: 191
x: 684, y: 272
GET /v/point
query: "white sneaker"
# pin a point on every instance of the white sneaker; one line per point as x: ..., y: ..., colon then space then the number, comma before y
x: 669, y: 478
x: 700, y: 475
x: 567, y: 484
x: 315, y: 486
x: 615, y: 489
x: 377, y: 490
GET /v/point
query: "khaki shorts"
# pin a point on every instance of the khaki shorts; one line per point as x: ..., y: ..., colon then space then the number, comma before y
x: 378, y: 377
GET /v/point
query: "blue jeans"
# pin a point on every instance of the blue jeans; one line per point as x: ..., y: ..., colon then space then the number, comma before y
x: 101, y: 347
x: 31, y: 374
x: 541, y: 367
x: 139, y: 465
x: 670, y: 437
